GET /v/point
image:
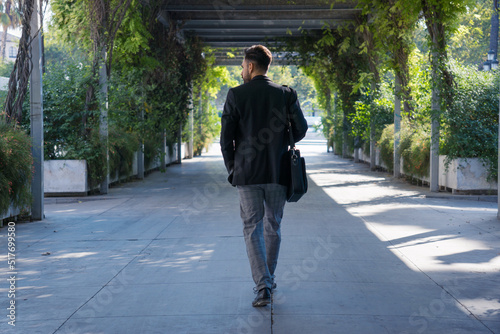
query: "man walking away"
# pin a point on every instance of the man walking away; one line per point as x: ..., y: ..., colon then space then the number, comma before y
x: 253, y: 140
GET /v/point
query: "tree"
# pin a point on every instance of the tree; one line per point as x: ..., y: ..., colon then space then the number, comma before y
x: 19, y: 77
x: 9, y: 18
x: 468, y: 42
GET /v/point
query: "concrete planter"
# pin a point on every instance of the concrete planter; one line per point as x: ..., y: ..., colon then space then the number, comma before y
x: 462, y: 176
x: 366, y: 157
x: 465, y: 175
x: 70, y: 177
x: 12, y: 212
x: 65, y: 178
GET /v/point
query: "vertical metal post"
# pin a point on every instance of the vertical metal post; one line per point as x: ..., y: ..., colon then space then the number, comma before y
x: 164, y: 150
x: 140, y: 155
x: 356, y: 150
x: 345, y: 128
x: 103, y: 118
x: 179, y: 144
x: 191, y: 128
x: 373, y: 164
x: 397, y: 127
x: 373, y: 154
x: 498, y: 190
x: 140, y: 161
x: 435, y: 115
x: 36, y: 113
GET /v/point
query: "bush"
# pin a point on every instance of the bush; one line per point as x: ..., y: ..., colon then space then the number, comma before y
x: 153, y: 144
x: 415, y: 148
x: 16, y: 163
x: 470, y: 125
x: 71, y: 132
x: 122, y: 147
x: 386, y: 144
x: 210, y: 125
x: 66, y: 124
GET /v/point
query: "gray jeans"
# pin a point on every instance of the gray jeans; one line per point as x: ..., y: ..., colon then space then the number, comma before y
x: 261, y: 208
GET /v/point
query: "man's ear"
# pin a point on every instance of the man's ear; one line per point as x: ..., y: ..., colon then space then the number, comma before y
x: 251, y: 67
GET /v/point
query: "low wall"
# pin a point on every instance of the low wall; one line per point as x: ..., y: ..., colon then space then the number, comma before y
x: 70, y: 177
x: 65, y: 177
x: 11, y: 212
x: 462, y: 175
x: 465, y: 175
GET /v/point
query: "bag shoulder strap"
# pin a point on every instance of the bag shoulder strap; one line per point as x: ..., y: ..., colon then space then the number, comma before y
x: 289, y: 124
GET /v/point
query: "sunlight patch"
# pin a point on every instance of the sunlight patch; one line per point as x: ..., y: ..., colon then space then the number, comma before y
x: 74, y: 255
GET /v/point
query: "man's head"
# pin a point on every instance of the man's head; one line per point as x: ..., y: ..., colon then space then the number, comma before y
x: 256, y: 62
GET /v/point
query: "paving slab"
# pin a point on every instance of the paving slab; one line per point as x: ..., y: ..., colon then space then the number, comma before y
x: 361, y: 253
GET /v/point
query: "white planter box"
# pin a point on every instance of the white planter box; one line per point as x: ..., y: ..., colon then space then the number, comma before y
x: 70, y: 177
x: 465, y: 175
x: 11, y: 212
x: 462, y: 175
x: 362, y: 156
x: 65, y: 177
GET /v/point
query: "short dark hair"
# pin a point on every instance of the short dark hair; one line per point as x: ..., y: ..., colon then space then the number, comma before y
x: 260, y: 56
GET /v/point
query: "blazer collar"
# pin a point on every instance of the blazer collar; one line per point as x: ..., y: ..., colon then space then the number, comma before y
x: 261, y: 77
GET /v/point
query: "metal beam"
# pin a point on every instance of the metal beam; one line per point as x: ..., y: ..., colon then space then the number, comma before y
x: 319, y: 14
x: 258, y: 3
x: 186, y: 5
x: 256, y: 24
x: 239, y: 44
x: 239, y: 24
x: 36, y: 114
x: 207, y: 31
x: 228, y: 35
x: 237, y: 62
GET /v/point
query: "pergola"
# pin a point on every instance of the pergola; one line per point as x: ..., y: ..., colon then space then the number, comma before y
x: 235, y: 24
x: 227, y: 26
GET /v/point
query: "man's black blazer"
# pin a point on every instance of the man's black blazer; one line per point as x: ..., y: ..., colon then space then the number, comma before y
x: 254, y: 133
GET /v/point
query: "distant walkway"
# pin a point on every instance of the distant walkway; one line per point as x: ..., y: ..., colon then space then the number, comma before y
x: 361, y: 253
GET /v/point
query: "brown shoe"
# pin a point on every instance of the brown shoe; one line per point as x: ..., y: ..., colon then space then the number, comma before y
x: 263, y: 298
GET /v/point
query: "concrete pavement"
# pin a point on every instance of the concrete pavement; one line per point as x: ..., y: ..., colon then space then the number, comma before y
x: 361, y: 253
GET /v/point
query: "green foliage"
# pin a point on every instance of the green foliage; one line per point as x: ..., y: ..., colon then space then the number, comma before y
x: 71, y: 23
x: 335, y: 64
x: 149, y: 87
x: 152, y: 148
x: 470, y: 125
x: 332, y: 128
x: 388, y: 39
x: 415, y: 149
x: 15, y: 168
x: 6, y: 68
x: 386, y: 145
x: 155, y: 76
x: 66, y: 125
x: 122, y: 147
x: 205, y: 90
x: 73, y: 133
x: 206, y: 127
x: 371, y: 109
x: 420, y: 87
x: 468, y: 42
x: 294, y: 77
